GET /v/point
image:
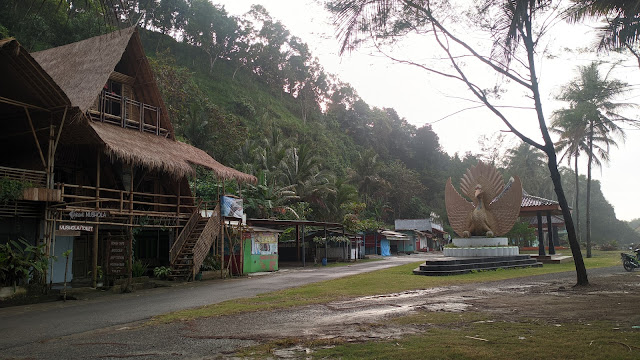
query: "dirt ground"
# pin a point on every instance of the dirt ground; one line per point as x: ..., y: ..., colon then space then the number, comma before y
x: 613, y: 296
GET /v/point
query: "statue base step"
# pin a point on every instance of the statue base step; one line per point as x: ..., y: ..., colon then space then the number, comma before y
x: 481, y: 251
x: 457, y: 266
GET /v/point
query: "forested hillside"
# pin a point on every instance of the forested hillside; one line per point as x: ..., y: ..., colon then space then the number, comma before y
x: 251, y: 94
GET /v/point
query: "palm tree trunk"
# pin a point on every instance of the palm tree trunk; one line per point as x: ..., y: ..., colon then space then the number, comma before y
x: 589, y: 189
x: 577, y: 198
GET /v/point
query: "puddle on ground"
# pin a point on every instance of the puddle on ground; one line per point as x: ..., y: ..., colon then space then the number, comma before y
x: 295, y: 352
x: 388, y: 298
x: 518, y: 289
x: 447, y: 307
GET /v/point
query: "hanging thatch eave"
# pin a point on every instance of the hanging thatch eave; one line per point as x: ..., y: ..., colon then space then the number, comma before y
x: 37, y: 88
x: 160, y: 154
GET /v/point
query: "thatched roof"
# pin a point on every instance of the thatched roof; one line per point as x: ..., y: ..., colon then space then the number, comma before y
x: 35, y: 87
x: 82, y: 68
x: 159, y: 153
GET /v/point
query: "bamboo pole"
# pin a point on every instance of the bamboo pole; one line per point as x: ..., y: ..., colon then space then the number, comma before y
x: 33, y: 131
x: 94, y: 257
x: 222, y: 232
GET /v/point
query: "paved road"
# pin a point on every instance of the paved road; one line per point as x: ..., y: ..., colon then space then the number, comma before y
x: 23, y: 325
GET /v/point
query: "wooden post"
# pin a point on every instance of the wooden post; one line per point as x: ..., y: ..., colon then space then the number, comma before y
x: 35, y: 137
x: 94, y: 255
x: 157, y: 121
x: 304, y: 257
x: 222, y: 225
x: 297, y: 242
x: 552, y: 249
x: 326, y: 244
x: 541, y: 251
x: 131, y: 191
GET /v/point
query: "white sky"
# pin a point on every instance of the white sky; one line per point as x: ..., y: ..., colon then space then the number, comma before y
x: 422, y: 98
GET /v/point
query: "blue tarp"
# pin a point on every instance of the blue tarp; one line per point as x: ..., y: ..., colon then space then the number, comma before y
x: 385, y: 248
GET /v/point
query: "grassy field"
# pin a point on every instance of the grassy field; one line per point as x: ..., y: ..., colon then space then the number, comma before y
x: 385, y: 281
x: 470, y: 336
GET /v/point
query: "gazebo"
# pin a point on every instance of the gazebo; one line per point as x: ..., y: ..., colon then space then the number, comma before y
x: 535, y: 206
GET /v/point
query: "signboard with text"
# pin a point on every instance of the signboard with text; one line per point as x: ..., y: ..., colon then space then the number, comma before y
x: 117, y: 255
x: 75, y: 227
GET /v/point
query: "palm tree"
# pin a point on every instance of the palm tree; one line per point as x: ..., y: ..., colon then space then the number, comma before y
x: 528, y: 163
x: 592, y: 118
x: 303, y: 170
x: 573, y: 141
x: 622, y: 28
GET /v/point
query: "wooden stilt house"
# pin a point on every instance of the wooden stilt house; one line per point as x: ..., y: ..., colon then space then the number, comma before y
x: 86, y: 131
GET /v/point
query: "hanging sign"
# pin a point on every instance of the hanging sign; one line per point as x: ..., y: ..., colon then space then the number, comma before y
x: 75, y: 227
x: 88, y: 214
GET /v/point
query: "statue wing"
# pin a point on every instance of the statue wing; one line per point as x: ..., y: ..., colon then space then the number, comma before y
x: 458, y: 209
x: 505, y: 208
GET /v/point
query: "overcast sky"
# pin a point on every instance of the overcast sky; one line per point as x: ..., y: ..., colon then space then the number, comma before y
x: 422, y: 98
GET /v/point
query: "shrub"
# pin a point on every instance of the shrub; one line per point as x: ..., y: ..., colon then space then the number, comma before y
x: 162, y: 272
x: 610, y: 246
x: 11, y: 190
x: 20, y: 261
x: 211, y: 262
x: 138, y: 268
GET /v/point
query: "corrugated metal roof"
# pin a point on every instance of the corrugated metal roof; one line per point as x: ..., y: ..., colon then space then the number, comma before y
x: 393, y: 235
x: 413, y: 224
x: 530, y: 200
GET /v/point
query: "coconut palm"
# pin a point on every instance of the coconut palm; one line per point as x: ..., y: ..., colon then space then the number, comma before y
x: 573, y: 142
x: 303, y: 170
x: 593, y: 116
x: 622, y: 28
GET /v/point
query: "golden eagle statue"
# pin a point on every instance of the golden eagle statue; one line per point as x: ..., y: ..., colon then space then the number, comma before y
x: 494, y: 207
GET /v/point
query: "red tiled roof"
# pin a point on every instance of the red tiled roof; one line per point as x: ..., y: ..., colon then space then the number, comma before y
x: 530, y: 200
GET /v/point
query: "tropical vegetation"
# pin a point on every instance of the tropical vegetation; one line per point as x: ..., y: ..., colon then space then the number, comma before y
x: 252, y: 95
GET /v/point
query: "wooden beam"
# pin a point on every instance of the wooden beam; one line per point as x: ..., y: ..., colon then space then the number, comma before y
x: 94, y: 255
x: 541, y: 251
x: 552, y: 249
x: 33, y: 131
x: 64, y: 116
x: 21, y: 104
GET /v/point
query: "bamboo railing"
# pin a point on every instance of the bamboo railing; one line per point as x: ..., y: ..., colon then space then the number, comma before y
x: 122, y: 203
x: 35, y: 177
x: 148, y: 115
x: 184, y: 234
x: 210, y: 232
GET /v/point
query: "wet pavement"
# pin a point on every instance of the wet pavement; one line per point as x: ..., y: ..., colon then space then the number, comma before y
x: 360, y: 319
x: 24, y: 325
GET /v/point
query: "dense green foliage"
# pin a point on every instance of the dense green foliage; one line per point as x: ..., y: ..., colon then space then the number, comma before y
x: 252, y: 95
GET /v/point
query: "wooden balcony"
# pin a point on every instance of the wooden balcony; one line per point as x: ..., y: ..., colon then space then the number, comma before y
x: 36, y: 178
x: 127, y: 113
x: 121, y: 207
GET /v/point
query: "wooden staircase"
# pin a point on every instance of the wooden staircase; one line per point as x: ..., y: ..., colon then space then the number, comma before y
x: 193, y: 244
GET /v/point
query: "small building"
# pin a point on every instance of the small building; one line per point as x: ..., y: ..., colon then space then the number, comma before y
x: 393, y: 242
x: 260, y: 248
x: 425, y: 234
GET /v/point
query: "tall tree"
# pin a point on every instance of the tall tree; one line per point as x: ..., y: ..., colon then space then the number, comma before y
x: 622, y: 20
x: 515, y: 26
x: 595, y: 115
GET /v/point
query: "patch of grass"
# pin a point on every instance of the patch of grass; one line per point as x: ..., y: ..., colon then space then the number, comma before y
x: 499, y: 340
x: 340, y: 264
x: 386, y: 281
